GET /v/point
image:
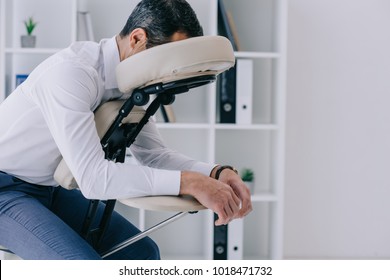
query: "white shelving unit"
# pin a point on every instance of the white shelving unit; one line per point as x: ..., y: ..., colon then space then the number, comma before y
x: 56, y: 29
x: 261, y: 26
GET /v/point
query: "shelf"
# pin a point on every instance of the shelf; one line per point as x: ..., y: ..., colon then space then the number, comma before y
x: 183, y: 125
x: 264, y: 197
x: 266, y: 127
x: 247, y: 126
x: 31, y: 50
x: 257, y: 54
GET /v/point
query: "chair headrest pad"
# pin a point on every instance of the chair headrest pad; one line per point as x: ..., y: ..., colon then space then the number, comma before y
x: 197, y: 56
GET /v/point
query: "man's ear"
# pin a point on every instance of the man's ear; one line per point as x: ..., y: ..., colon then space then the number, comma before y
x: 137, y: 36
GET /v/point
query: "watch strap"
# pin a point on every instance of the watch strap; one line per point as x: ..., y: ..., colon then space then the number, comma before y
x: 221, y: 168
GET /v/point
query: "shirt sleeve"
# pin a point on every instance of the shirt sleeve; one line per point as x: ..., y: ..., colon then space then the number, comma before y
x: 149, y: 149
x: 64, y: 95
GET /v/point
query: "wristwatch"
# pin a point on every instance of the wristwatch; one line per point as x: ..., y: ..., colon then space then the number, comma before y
x: 220, y: 169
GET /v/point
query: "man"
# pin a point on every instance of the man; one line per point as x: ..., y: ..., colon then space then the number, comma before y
x: 51, y: 116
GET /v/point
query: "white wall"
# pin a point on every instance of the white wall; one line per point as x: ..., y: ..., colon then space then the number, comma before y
x: 108, y: 17
x: 338, y: 130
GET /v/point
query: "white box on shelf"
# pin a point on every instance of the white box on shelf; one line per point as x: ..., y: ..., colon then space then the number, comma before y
x: 244, y: 91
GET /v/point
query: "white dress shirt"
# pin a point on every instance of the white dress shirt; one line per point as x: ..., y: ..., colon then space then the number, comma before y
x: 50, y: 116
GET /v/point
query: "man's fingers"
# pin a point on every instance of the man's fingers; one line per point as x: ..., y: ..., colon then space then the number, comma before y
x: 246, y: 208
x: 228, y: 210
x: 244, y: 195
x: 222, y: 218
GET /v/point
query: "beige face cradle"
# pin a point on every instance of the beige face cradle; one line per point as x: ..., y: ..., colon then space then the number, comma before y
x: 163, y: 71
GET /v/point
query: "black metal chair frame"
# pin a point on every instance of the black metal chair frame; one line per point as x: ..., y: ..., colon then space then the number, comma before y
x: 120, y: 136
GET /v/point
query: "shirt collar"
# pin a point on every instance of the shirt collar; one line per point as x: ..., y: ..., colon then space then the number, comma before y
x: 111, y: 60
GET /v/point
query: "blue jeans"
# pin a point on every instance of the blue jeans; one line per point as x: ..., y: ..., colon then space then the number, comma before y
x: 40, y: 222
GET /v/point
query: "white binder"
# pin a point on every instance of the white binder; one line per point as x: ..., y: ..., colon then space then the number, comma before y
x: 235, y: 239
x: 244, y: 91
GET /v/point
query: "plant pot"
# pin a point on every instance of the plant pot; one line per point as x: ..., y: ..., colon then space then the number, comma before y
x: 28, y: 41
x: 251, y: 186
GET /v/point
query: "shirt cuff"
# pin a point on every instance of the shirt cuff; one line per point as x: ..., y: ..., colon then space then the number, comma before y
x: 202, y: 167
x: 167, y: 182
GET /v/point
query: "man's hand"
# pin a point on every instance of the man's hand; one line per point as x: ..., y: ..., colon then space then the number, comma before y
x: 230, y: 178
x: 226, y: 197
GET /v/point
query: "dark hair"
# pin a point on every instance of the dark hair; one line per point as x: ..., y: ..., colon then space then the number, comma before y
x: 161, y: 19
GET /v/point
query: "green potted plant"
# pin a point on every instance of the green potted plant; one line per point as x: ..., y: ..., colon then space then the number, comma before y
x: 29, y: 40
x: 247, y: 175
